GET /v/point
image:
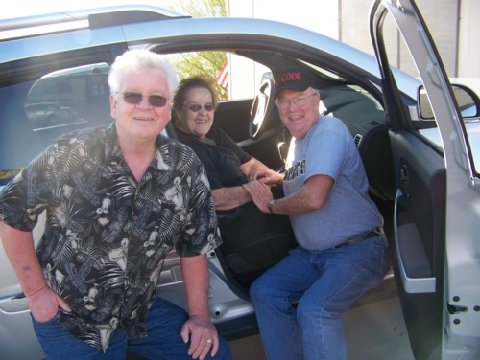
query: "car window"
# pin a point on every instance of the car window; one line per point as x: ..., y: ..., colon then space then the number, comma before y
x: 37, y: 111
x: 421, y: 114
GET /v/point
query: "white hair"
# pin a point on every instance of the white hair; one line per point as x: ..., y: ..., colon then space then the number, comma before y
x: 138, y: 60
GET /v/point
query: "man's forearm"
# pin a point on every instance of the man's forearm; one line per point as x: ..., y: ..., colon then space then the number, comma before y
x: 311, y: 197
x: 195, y: 278
x: 19, y: 247
x: 293, y: 204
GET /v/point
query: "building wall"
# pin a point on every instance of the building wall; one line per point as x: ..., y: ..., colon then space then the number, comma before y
x: 441, y: 16
x: 242, y: 84
x: 316, y: 15
x: 469, y: 43
x: 453, y: 24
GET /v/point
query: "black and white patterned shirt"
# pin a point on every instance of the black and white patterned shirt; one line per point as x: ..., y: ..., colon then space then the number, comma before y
x: 106, y: 235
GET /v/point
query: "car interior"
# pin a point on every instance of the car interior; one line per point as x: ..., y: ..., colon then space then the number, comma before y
x: 60, y: 96
x: 264, y: 136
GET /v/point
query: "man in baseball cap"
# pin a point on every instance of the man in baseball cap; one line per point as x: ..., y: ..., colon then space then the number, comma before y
x: 342, y: 251
x: 296, y: 79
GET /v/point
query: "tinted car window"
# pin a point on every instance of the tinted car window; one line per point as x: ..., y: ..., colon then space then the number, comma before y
x: 35, y: 112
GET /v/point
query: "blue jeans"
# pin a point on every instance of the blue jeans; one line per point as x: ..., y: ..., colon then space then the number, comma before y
x: 299, y: 302
x: 163, y: 341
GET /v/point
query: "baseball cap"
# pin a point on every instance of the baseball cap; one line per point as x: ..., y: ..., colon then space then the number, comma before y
x: 296, y: 79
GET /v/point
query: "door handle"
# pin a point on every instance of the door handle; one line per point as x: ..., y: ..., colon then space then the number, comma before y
x: 14, y: 304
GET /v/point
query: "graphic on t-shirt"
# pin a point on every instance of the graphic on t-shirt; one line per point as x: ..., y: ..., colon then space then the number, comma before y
x: 296, y: 170
x: 294, y: 175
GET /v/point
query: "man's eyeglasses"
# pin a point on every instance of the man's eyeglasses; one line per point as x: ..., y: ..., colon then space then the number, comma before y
x: 197, y: 107
x: 136, y: 98
x: 300, y: 101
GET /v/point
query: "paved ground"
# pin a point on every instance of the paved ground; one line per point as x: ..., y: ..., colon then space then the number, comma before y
x: 374, y: 330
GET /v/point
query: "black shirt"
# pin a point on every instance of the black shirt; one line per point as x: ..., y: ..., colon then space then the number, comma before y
x: 220, y: 155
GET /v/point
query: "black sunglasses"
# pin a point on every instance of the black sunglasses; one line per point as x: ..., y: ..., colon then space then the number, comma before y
x: 197, y: 107
x: 136, y: 98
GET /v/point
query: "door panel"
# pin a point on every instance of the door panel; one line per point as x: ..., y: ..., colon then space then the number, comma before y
x: 437, y: 197
x: 419, y: 240
x: 54, y: 95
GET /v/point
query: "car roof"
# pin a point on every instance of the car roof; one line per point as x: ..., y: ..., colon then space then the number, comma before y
x: 52, y: 33
x: 102, y: 16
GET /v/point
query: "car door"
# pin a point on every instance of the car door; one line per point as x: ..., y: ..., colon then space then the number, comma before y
x: 42, y: 99
x: 437, y: 209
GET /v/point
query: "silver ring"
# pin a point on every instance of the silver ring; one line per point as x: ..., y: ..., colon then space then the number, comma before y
x: 209, y: 341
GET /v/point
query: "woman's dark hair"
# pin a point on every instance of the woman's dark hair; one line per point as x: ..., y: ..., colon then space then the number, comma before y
x: 187, y: 84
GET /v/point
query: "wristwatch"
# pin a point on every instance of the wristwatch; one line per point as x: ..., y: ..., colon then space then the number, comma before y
x: 271, y: 203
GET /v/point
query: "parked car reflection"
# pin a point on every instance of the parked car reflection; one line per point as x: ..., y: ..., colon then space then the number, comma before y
x: 60, y: 98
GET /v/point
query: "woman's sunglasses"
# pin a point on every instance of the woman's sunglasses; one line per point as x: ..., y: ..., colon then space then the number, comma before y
x: 198, y: 107
x: 136, y: 98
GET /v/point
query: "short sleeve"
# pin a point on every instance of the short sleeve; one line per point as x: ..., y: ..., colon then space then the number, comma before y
x: 30, y: 191
x: 331, y: 144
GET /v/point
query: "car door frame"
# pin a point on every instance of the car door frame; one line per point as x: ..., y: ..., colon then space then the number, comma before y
x: 459, y: 335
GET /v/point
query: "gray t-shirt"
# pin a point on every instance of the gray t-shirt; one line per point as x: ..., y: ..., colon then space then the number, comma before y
x: 328, y: 149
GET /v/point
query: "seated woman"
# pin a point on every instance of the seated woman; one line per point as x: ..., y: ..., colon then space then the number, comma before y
x: 252, y: 240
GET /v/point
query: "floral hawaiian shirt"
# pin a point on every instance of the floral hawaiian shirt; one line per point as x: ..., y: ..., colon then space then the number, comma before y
x: 106, y: 235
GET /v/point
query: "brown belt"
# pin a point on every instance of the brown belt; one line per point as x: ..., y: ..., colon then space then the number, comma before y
x: 357, y: 238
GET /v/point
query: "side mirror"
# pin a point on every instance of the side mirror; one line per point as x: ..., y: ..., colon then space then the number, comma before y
x: 467, y: 102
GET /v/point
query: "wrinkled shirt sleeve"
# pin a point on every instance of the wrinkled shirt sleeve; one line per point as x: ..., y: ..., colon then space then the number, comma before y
x: 30, y: 191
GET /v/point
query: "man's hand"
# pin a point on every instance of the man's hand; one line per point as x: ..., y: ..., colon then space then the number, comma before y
x: 203, y: 336
x: 267, y: 176
x: 44, y: 304
x: 261, y: 194
x: 20, y: 249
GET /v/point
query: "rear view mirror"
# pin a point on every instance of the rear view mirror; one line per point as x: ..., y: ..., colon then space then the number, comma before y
x: 467, y: 101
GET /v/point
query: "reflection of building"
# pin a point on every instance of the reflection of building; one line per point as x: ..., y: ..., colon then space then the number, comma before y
x: 454, y: 25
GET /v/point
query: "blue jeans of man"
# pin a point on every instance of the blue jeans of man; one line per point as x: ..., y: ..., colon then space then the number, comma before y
x: 163, y: 341
x: 299, y: 302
